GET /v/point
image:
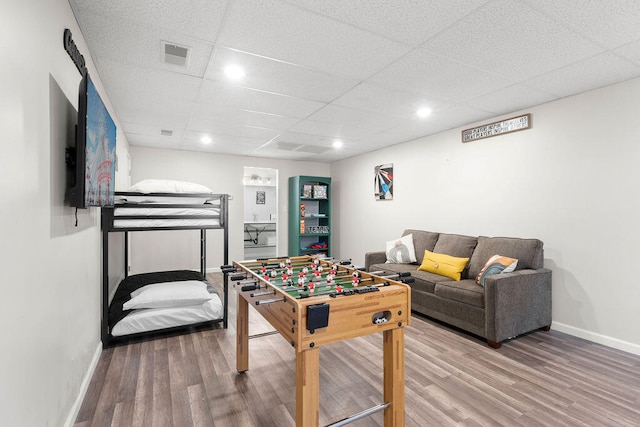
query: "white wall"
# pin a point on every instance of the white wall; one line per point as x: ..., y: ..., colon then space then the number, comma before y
x: 50, y: 305
x: 221, y: 173
x: 571, y: 180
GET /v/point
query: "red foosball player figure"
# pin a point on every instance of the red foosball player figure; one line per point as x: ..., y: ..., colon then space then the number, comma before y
x: 355, y: 279
x: 284, y: 278
x: 338, y: 288
x: 318, y: 274
x: 263, y: 270
x: 312, y: 287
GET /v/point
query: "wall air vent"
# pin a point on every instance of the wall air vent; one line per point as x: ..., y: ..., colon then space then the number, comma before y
x: 175, y: 54
x: 166, y: 132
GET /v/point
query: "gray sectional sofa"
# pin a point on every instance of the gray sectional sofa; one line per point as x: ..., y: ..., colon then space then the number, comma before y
x: 509, y: 304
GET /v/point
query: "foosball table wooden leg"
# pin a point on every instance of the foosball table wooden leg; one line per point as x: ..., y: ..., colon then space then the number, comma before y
x: 393, y: 367
x: 308, y: 388
x: 242, y: 335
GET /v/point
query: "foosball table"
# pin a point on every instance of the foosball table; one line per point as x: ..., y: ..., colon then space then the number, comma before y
x: 313, y: 302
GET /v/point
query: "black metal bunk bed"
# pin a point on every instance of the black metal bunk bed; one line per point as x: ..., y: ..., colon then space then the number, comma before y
x: 210, y: 212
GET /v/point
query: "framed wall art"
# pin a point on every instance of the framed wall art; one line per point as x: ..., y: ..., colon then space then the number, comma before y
x: 383, y: 182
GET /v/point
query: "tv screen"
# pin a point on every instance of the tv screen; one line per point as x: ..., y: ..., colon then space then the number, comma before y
x: 93, y: 171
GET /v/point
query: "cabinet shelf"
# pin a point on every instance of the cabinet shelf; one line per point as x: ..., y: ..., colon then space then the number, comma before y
x: 307, y: 213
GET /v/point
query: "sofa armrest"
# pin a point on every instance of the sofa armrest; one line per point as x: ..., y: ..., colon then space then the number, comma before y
x: 517, y: 303
x: 372, y: 258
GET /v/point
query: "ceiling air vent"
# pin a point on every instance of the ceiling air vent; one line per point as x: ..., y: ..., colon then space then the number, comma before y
x: 165, y: 132
x: 176, y: 55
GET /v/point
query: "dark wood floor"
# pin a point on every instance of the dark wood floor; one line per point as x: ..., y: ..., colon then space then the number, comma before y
x: 541, y: 379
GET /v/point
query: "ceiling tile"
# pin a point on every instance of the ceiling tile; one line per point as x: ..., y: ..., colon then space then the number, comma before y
x: 604, y: 70
x: 348, y: 117
x: 408, y: 21
x: 134, y: 84
x: 612, y: 23
x: 284, y: 32
x: 331, y: 130
x: 509, y: 99
x: 228, y: 129
x: 279, y: 77
x: 438, y: 77
x: 218, y: 93
x: 504, y: 38
x: 382, y: 100
x: 204, y: 113
x: 149, y: 130
x: 631, y: 51
x: 123, y: 41
x: 199, y: 18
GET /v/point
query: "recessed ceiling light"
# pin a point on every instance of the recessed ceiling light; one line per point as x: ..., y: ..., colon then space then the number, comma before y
x: 337, y: 143
x: 423, y: 112
x: 206, y: 139
x: 234, y: 72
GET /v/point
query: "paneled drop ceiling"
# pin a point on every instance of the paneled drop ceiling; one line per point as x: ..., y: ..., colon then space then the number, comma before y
x: 357, y: 71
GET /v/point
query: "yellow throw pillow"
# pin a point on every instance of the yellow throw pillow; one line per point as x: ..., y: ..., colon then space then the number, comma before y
x: 444, y: 265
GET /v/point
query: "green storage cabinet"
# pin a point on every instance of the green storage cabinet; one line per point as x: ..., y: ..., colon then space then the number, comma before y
x: 309, y: 215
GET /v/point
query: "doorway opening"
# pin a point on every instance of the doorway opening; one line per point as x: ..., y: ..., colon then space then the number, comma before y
x: 260, y: 212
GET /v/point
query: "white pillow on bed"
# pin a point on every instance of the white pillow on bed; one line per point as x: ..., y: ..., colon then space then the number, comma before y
x: 168, y: 294
x: 168, y: 186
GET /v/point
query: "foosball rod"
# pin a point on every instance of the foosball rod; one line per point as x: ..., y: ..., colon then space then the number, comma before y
x: 390, y: 276
x: 276, y: 261
x: 333, y: 291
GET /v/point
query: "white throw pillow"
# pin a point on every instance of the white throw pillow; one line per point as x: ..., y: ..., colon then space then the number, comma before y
x: 401, y: 251
x: 168, y: 294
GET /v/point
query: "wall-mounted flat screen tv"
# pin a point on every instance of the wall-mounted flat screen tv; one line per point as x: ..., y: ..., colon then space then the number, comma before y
x: 92, y: 162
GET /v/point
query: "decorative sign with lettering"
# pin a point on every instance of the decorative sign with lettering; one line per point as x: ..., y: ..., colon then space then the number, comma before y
x: 74, y: 53
x: 497, y: 128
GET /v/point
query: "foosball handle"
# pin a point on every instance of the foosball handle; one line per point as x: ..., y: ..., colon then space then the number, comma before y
x: 405, y: 274
x: 227, y: 268
x: 237, y: 278
x: 408, y: 280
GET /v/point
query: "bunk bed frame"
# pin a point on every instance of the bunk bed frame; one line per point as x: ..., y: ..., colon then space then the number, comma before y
x: 215, y: 216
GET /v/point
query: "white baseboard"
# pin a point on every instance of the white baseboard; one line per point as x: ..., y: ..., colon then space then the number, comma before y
x: 597, y: 338
x: 84, y: 386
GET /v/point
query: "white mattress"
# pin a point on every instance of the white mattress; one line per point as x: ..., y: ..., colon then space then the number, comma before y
x: 151, y: 223
x: 165, y: 211
x: 160, y: 222
x: 152, y: 319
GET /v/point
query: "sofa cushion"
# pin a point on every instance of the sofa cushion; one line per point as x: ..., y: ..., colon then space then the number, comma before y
x: 422, y: 241
x: 455, y: 245
x: 464, y: 291
x: 444, y: 265
x: 528, y: 252
x: 401, y: 250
